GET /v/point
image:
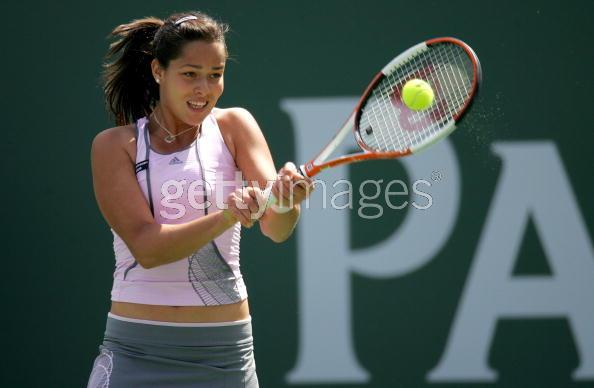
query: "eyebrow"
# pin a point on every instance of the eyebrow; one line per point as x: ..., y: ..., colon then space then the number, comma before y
x: 200, y: 67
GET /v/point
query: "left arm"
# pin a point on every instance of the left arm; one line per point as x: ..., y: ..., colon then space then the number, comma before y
x: 252, y: 155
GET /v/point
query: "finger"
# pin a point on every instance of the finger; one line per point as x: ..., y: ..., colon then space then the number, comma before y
x: 299, y: 186
x: 259, y: 195
x: 252, y: 204
x: 300, y: 182
x: 238, y: 200
x: 242, y: 214
x: 286, y: 191
x: 291, y: 171
x: 302, y: 190
x: 300, y: 196
x: 238, y: 208
x: 251, y: 199
x: 246, y: 213
x: 290, y: 166
x: 261, y: 201
x: 293, y: 175
x: 275, y: 189
x: 278, y: 188
x: 305, y: 183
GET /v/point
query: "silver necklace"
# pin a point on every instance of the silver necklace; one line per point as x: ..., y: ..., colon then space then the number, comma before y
x: 171, y: 136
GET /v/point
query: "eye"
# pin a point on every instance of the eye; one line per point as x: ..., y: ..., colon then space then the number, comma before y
x: 190, y: 74
x: 216, y: 75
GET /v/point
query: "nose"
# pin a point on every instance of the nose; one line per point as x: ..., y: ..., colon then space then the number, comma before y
x: 201, y: 86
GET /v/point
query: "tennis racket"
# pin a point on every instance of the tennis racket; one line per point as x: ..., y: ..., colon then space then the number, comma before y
x: 384, y: 127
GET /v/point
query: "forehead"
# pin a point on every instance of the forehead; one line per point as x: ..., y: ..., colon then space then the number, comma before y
x: 201, y: 53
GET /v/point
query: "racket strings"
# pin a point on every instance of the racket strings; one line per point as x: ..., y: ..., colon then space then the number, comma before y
x: 451, y: 90
x: 386, y: 124
x: 437, y: 71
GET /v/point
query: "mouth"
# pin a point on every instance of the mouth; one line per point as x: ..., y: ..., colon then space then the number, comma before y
x: 197, y: 105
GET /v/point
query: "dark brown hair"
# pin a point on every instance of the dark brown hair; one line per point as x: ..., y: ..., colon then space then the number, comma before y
x: 129, y: 87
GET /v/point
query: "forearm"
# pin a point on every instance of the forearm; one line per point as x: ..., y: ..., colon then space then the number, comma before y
x: 159, y: 244
x: 279, y: 226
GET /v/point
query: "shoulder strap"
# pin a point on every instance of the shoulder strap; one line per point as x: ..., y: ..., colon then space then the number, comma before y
x: 141, y: 147
x: 143, y: 139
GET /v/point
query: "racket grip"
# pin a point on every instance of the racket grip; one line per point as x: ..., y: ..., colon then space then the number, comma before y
x: 302, y: 171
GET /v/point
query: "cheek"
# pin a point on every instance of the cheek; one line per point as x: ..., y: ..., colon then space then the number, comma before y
x: 220, y: 87
x: 175, y: 89
x: 182, y: 86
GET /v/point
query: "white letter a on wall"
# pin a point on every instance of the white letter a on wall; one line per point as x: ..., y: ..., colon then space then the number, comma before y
x: 533, y: 184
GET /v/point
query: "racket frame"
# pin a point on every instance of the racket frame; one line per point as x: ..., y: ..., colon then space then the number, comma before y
x: 319, y: 163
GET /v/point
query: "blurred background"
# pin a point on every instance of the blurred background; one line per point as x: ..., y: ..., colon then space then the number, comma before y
x: 492, y: 286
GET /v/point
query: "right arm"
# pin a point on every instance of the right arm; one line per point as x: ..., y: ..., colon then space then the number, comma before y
x: 126, y: 210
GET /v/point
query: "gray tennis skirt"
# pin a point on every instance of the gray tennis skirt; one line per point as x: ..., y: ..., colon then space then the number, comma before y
x: 138, y: 353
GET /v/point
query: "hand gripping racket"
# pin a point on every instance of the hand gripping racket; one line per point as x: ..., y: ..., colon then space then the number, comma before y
x: 385, y: 128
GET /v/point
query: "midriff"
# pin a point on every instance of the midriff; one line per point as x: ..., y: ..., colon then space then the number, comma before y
x: 207, y: 314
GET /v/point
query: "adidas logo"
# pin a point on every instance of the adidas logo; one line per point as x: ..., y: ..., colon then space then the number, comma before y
x: 175, y: 160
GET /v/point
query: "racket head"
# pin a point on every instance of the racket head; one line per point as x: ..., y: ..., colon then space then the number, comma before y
x: 385, y: 127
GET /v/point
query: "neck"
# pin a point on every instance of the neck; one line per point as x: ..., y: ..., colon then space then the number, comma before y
x: 171, y: 134
x: 168, y: 121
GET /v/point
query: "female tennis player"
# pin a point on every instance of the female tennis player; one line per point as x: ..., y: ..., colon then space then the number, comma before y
x: 169, y: 182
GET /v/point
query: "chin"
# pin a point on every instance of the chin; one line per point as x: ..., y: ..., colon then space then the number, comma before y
x: 196, y: 117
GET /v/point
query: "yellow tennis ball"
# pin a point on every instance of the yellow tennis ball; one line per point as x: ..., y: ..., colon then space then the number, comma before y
x: 417, y: 94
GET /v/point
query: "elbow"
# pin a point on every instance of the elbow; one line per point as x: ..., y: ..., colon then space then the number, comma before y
x: 143, y: 249
x: 144, y: 254
x: 144, y: 259
x: 146, y: 263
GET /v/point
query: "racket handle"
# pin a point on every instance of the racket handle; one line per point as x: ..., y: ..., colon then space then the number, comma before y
x: 302, y: 171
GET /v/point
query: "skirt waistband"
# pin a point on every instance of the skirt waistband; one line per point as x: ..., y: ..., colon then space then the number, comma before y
x: 179, y: 324
x: 127, y: 330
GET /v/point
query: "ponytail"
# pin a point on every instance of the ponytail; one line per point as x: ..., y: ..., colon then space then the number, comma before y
x: 129, y: 87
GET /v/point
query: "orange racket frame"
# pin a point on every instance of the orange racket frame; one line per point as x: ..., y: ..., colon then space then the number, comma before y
x: 319, y: 163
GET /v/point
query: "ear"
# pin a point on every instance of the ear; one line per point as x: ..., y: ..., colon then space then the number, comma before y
x: 157, y: 70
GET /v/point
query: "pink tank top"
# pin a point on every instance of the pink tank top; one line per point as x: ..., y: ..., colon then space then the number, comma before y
x: 180, y: 187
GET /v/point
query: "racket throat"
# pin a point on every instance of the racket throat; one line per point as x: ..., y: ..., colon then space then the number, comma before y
x: 348, y: 126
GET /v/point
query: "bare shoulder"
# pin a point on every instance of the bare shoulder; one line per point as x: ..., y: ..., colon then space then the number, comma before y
x: 116, y: 139
x: 248, y: 145
x: 233, y: 118
x: 238, y: 127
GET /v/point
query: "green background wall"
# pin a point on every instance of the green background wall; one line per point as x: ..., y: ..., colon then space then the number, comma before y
x: 57, y: 256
